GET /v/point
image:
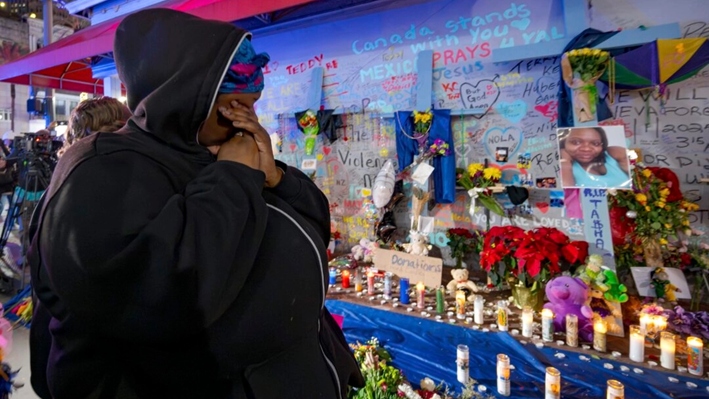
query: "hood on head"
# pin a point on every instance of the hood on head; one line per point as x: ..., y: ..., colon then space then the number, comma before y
x: 172, y: 64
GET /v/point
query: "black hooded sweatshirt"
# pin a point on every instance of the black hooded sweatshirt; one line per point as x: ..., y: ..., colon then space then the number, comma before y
x: 162, y: 273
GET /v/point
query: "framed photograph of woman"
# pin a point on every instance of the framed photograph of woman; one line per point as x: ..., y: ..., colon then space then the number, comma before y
x: 594, y: 157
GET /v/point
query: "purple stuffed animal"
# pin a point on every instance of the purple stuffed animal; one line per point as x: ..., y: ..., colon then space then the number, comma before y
x: 568, y: 295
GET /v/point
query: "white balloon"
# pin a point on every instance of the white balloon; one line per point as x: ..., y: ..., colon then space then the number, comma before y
x: 384, y: 185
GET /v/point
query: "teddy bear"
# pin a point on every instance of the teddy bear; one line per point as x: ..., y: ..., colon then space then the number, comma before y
x: 364, y: 251
x: 569, y: 295
x: 460, y: 280
x: 418, y: 245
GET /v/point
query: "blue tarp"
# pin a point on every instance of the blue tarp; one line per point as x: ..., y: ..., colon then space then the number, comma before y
x: 426, y: 348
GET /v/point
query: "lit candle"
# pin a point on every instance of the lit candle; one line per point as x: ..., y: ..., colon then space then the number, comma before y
x: 637, y: 344
x: 547, y: 325
x: 599, y: 335
x: 660, y: 323
x: 462, y: 359
x: 333, y: 276
x: 502, y: 319
x: 404, y: 291
x: 358, y: 280
x: 440, y: 300
x: 615, y: 390
x: 552, y: 384
x: 695, y: 356
x: 370, y: 283
x: 667, y: 348
x: 646, y: 323
x: 572, y: 330
x: 479, y: 302
x: 387, y: 285
x: 527, y: 320
x: 460, y: 304
x: 503, y: 375
x: 421, y: 291
x: 345, y: 279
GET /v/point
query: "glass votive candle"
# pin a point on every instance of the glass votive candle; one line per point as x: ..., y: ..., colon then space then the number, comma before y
x: 695, y: 356
x: 552, y: 384
x: 527, y: 322
x: 637, y: 344
x: 615, y: 390
x: 599, y: 335
x: 572, y: 330
x: 667, y: 350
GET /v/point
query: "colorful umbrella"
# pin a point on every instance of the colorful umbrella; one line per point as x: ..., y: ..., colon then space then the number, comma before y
x: 658, y: 63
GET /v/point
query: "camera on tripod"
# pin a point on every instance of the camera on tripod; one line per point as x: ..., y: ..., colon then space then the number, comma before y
x: 36, y: 143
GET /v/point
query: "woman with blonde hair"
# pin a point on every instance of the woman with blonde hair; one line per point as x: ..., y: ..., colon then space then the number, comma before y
x: 101, y: 114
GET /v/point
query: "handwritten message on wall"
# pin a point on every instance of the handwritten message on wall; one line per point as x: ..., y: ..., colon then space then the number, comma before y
x: 369, y: 65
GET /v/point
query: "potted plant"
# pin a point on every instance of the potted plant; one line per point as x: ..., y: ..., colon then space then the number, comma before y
x: 527, y: 260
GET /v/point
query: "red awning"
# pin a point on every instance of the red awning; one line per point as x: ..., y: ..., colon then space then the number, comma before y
x: 65, y: 64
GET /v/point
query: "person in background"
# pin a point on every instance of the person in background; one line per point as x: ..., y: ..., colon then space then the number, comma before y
x: 588, y: 161
x: 94, y: 115
x: 8, y: 139
x: 185, y: 274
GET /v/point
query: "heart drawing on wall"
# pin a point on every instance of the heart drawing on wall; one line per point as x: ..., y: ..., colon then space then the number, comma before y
x: 480, y: 96
x: 513, y: 111
x: 521, y: 24
x: 510, y: 138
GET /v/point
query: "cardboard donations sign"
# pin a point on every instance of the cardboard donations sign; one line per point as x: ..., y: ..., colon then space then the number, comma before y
x: 414, y: 267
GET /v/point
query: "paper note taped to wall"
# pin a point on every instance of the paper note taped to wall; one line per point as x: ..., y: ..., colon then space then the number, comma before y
x: 415, y: 268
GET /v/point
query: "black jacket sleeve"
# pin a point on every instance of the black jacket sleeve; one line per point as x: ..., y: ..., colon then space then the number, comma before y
x: 306, y: 198
x: 127, y: 253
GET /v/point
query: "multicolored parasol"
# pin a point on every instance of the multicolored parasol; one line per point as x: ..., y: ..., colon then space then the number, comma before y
x: 658, y: 63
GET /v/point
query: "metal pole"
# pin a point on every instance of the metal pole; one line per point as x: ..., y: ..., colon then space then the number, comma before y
x: 12, y: 109
x: 48, y: 19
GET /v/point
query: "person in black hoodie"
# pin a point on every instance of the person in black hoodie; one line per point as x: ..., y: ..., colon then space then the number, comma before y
x: 169, y: 272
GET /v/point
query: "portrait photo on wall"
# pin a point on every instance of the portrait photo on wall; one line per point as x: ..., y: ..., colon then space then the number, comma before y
x: 546, y: 182
x: 501, y: 154
x: 594, y: 157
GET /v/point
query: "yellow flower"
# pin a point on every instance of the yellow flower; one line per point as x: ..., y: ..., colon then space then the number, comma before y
x: 685, y: 222
x: 492, y: 173
x: 425, y: 118
x: 660, y: 204
x: 596, y: 52
x: 664, y: 192
x: 647, y: 172
x: 668, y: 225
x: 474, y: 168
x: 663, y: 241
x: 647, y: 208
x: 641, y: 198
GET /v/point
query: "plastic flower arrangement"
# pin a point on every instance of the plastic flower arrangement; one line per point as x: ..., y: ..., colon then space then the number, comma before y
x: 439, y: 148
x: 381, y: 380
x: 688, y: 323
x: 655, y: 208
x: 477, y: 179
x: 531, y: 257
x: 462, y: 242
x: 588, y: 63
x: 422, y: 125
x: 309, y: 123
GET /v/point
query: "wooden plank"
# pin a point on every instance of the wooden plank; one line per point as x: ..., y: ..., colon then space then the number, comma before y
x: 575, y: 17
x: 315, y: 91
x: 424, y: 66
